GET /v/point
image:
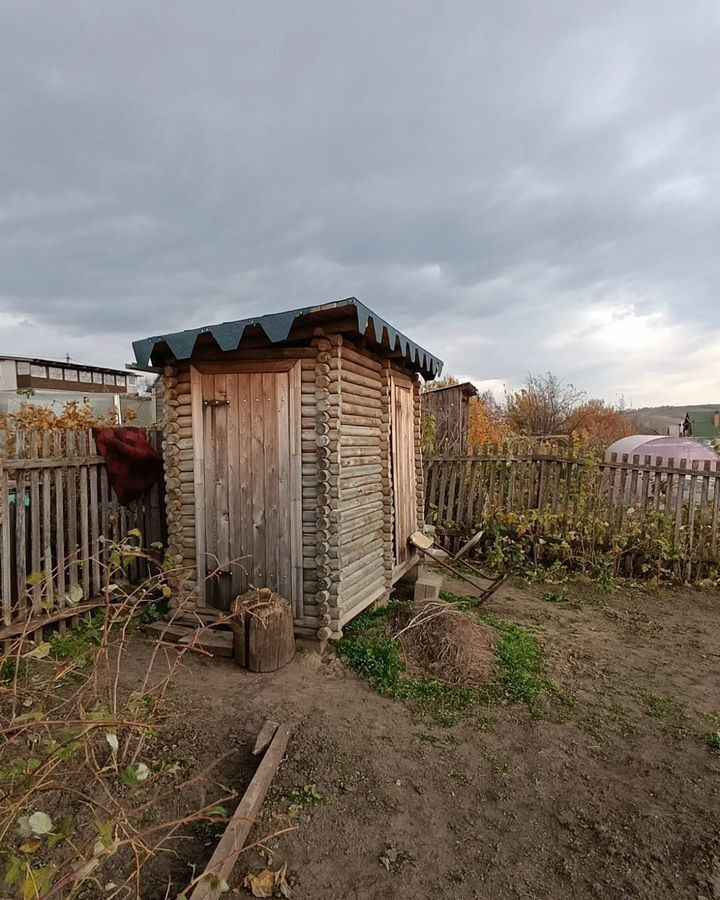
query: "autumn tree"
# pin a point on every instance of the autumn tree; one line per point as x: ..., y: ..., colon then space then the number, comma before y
x: 487, y: 421
x: 600, y: 423
x: 543, y: 406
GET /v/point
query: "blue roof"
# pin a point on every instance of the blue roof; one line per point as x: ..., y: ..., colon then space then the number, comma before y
x: 278, y: 326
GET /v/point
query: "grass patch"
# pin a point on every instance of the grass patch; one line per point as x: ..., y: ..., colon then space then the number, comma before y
x: 519, y: 661
x: 369, y: 649
x: 712, y: 741
x: 659, y: 706
x: 485, y: 724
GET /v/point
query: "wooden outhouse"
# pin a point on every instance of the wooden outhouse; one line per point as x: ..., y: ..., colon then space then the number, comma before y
x: 450, y: 408
x: 292, y: 457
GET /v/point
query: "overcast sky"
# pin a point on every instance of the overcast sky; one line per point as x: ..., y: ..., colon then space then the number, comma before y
x: 516, y: 185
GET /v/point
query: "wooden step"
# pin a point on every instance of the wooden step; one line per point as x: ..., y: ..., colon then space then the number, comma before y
x: 218, y: 641
x: 170, y: 631
x: 212, y: 640
x: 193, y: 620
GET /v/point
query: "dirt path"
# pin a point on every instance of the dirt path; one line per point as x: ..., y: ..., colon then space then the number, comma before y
x: 611, y: 793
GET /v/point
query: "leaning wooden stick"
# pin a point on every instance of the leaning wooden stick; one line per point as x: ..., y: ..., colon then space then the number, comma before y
x: 231, y: 843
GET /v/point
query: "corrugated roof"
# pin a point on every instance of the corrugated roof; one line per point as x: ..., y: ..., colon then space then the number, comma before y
x: 278, y: 327
x: 467, y: 387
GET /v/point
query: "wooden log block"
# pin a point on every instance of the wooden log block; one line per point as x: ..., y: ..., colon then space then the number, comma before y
x: 262, y: 626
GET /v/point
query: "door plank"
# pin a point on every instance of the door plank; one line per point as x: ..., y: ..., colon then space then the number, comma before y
x: 211, y: 534
x: 222, y: 513
x: 235, y: 543
x: 295, y: 439
x: 284, y: 497
x: 257, y: 406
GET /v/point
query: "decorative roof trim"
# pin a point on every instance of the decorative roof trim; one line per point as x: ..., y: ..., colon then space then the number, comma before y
x: 277, y: 328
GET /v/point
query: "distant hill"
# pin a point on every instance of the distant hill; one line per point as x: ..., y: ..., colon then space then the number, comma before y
x: 657, y: 419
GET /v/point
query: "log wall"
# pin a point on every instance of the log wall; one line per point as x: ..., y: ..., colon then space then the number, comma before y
x: 179, y: 469
x: 362, y: 506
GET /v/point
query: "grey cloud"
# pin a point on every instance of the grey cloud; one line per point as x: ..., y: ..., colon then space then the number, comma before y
x: 485, y: 175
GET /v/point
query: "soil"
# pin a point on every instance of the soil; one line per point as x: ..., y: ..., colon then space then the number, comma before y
x: 611, y: 793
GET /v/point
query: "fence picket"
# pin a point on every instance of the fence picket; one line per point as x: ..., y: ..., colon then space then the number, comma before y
x: 6, y: 526
x: 669, y: 488
x: 470, y: 518
x: 20, y: 536
x: 60, y: 489
x: 47, y: 545
x: 715, y: 511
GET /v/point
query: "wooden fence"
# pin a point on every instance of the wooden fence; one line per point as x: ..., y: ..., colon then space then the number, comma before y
x: 462, y: 493
x: 58, y: 516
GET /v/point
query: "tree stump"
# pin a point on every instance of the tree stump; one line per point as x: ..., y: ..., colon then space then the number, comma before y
x: 263, y: 633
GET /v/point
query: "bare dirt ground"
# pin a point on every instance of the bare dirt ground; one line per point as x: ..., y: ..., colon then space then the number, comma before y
x: 613, y: 794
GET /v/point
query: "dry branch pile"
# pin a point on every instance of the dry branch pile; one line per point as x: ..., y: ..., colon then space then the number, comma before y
x: 87, y: 796
x: 444, y: 642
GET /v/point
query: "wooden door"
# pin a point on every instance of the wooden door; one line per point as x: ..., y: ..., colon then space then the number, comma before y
x: 249, y: 492
x: 403, y: 465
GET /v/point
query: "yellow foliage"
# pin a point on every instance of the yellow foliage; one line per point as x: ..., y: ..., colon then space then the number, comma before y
x: 599, y: 423
x: 486, y: 423
x: 74, y: 416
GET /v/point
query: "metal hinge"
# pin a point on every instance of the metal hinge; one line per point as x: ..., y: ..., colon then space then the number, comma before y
x: 215, y: 402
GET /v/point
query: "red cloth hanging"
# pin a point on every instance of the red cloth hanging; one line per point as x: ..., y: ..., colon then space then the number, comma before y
x: 133, y: 464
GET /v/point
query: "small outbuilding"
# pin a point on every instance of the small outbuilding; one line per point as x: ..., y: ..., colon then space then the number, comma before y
x: 450, y: 408
x: 292, y: 457
x: 702, y: 424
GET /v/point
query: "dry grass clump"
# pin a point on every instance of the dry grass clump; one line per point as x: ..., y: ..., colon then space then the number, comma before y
x: 447, y: 644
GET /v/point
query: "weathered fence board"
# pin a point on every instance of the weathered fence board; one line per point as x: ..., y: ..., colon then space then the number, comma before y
x: 464, y: 492
x: 58, y: 516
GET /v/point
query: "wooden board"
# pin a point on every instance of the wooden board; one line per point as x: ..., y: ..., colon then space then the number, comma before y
x: 223, y: 860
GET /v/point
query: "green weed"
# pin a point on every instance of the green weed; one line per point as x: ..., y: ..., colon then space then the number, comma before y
x: 712, y: 741
x: 660, y: 707
x: 457, y: 876
x: 77, y: 644
x: 519, y: 660
x: 300, y: 797
x: 560, y: 596
x: 152, y: 612
x: 484, y: 724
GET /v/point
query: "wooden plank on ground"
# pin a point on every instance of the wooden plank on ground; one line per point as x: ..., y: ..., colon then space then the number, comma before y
x: 265, y: 736
x: 223, y: 860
